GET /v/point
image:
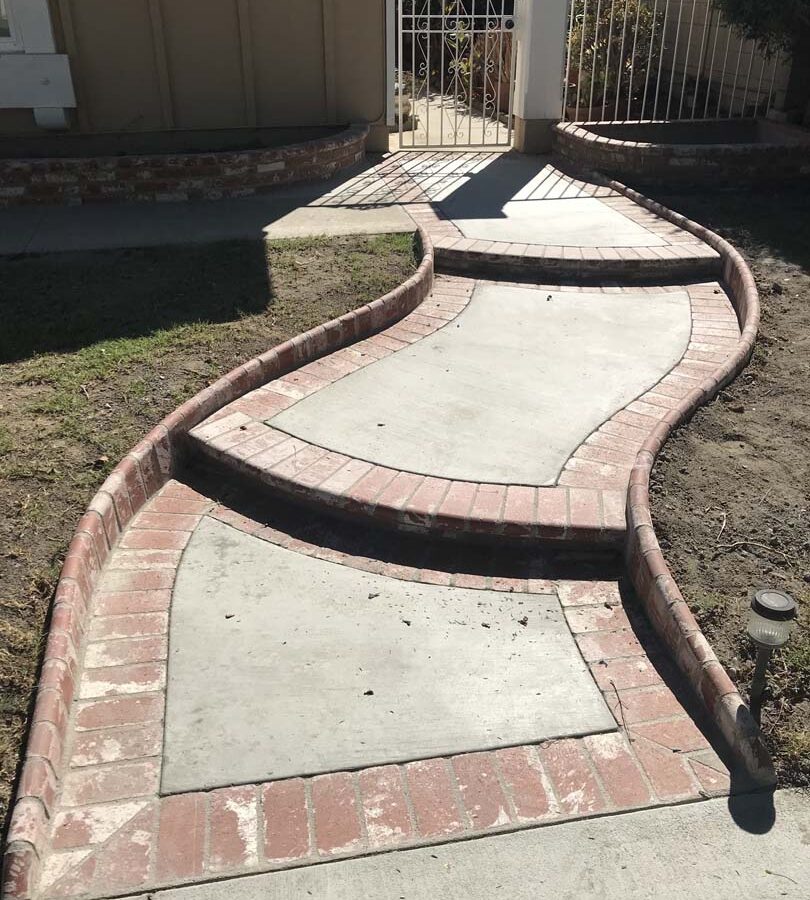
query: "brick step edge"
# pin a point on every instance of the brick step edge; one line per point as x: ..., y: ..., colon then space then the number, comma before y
x: 138, y: 477
x: 586, y: 266
x: 606, y: 534
x: 664, y: 603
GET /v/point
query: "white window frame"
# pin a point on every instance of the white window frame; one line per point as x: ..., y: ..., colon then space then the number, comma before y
x: 32, y: 74
x: 13, y: 43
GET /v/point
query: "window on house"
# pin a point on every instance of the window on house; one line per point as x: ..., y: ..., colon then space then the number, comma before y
x: 7, y: 36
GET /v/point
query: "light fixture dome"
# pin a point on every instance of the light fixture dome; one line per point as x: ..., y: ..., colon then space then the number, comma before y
x: 771, y: 617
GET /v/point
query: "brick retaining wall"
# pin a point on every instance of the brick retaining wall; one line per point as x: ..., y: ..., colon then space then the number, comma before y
x: 651, y: 163
x: 174, y: 177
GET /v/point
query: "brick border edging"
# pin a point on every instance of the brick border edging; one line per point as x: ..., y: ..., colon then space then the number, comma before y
x: 174, y: 177
x: 140, y: 475
x: 664, y: 603
x: 650, y: 161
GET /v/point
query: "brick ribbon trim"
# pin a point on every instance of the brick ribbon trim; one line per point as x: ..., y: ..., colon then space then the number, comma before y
x: 649, y: 572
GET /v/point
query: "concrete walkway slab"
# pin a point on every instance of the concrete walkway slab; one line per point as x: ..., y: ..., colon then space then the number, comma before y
x: 580, y: 222
x: 524, y: 200
x: 507, y: 391
x: 17, y: 228
x: 355, y: 203
x: 282, y: 665
x: 674, y: 853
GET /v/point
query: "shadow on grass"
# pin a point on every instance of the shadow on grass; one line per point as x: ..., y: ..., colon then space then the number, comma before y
x: 63, y: 302
x: 773, y: 220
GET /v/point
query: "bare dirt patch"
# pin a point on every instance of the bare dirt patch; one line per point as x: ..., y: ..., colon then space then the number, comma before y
x: 95, y: 348
x: 731, y: 490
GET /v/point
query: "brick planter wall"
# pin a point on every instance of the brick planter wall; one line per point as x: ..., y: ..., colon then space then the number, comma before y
x: 650, y: 163
x: 173, y: 177
x: 140, y: 475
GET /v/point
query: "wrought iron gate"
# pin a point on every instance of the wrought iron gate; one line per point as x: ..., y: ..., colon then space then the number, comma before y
x: 455, y: 73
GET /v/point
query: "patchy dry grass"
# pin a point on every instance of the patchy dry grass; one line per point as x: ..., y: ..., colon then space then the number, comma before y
x: 95, y: 348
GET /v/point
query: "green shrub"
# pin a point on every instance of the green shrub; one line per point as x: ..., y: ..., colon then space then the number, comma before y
x: 773, y: 24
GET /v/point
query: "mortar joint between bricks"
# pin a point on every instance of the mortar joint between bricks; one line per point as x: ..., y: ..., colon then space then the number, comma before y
x: 455, y: 790
x: 309, y: 807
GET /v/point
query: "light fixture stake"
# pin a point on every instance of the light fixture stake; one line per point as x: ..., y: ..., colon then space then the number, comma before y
x: 758, y: 682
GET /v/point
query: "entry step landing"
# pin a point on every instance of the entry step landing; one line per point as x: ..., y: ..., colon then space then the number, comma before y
x: 224, y: 579
x: 508, y: 411
x: 282, y: 664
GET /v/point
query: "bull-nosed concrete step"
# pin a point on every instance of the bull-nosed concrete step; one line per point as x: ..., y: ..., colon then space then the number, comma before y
x: 427, y: 505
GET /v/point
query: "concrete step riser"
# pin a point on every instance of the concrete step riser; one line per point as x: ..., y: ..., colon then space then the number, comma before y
x: 582, y: 271
x: 591, y: 542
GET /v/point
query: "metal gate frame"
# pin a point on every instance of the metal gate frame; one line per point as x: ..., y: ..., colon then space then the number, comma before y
x: 468, y: 32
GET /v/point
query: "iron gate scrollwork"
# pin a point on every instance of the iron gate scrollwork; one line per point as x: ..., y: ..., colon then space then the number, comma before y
x: 455, y: 72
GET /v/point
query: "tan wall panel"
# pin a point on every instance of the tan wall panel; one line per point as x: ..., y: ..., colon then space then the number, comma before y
x: 57, y: 25
x: 143, y: 65
x: 17, y: 121
x: 203, y: 51
x: 288, y: 61
x: 116, y: 65
x: 360, y: 59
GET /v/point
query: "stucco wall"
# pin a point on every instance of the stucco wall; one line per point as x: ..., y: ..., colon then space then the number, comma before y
x: 155, y: 65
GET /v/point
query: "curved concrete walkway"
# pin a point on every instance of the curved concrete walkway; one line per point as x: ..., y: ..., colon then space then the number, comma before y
x: 515, y: 433
x: 289, y: 664
x: 509, y: 392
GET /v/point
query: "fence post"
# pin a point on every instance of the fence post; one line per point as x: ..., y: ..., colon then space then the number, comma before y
x: 541, y: 32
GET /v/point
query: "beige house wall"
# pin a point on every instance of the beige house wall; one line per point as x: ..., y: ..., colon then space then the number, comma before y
x: 175, y: 65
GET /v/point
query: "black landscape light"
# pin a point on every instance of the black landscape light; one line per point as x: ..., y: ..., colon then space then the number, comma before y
x: 770, y: 622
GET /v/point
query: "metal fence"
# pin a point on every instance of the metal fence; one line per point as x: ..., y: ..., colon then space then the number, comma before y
x: 647, y: 60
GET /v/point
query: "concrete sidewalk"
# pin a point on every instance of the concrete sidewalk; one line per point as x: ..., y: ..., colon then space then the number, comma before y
x: 506, y: 197
x: 674, y: 853
x: 304, y: 210
x: 508, y: 391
